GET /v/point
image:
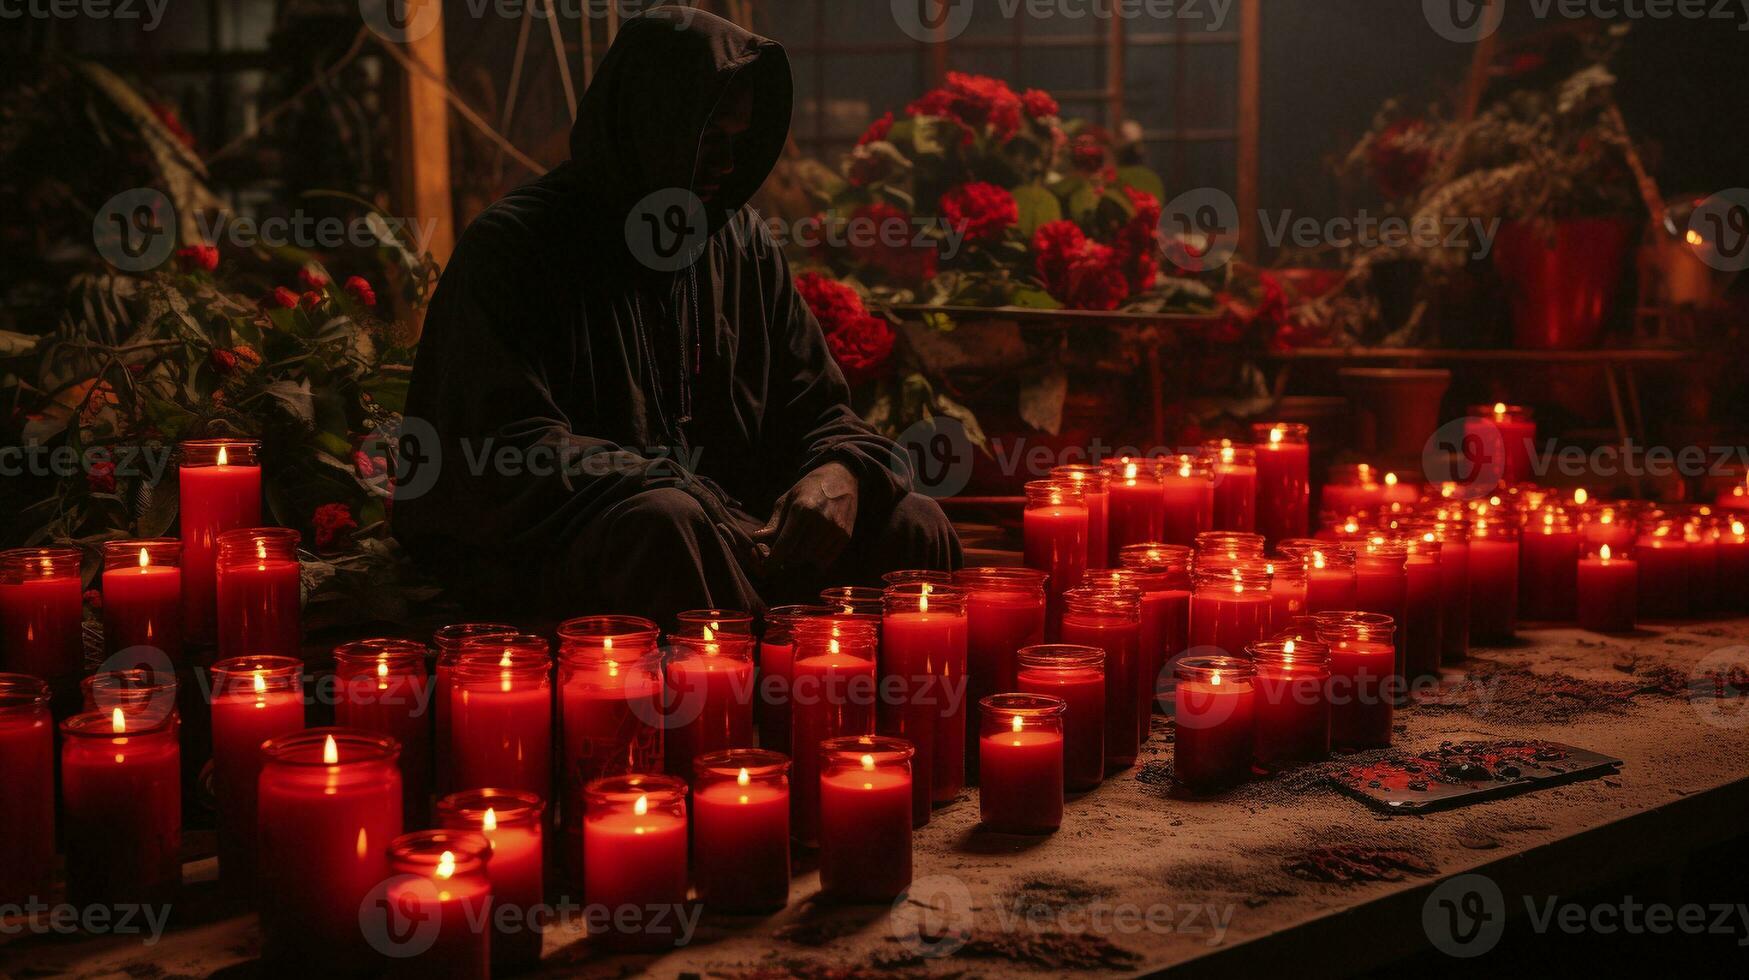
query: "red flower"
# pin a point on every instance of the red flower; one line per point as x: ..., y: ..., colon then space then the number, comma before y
x: 281, y: 297
x: 879, y: 130
x: 884, y: 239
x: 1137, y: 242
x: 860, y: 342
x: 866, y: 167
x: 100, y: 476
x: 359, y: 289
x: 204, y: 258
x: 247, y: 357
x: 1087, y: 152
x: 312, y: 279
x: 333, y: 522
x: 223, y: 361
x: 1400, y: 157
x: 1081, y: 273
x: 94, y: 599
x: 366, y: 464
x: 975, y: 101
x: 1039, y: 104
x: 983, y: 211
x: 310, y: 300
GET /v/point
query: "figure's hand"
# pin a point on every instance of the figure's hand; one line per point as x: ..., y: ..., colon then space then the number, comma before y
x: 812, y: 523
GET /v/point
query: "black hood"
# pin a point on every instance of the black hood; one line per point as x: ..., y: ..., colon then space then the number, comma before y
x: 645, y: 112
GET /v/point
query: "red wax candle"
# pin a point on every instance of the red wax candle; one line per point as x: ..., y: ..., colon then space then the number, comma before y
x: 133, y: 689
x: 1284, y: 487
x: 501, y: 710
x: 1606, y: 525
x: 1351, y: 488
x: 865, y: 818
x: 740, y: 830
x: 27, y: 769
x: 1493, y: 580
x: 1173, y: 562
x: 1287, y: 591
x: 1231, y: 608
x: 1110, y: 618
x: 1138, y: 504
x: 710, y: 690
x: 1074, y: 675
x: 219, y: 490
x: 1381, y: 584
x: 1054, y: 529
x: 1293, y: 712
x: 383, y: 689
x: 1733, y: 567
x: 1454, y: 591
x: 329, y: 804
x: 441, y: 887
x: 1235, y: 469
x: 834, y: 695
x: 1703, y: 566
x: 1608, y: 588
x: 1188, y: 492
x: 1509, y: 431
x: 777, y: 657
x: 1021, y: 759
x: 41, y: 604
x: 121, y: 788
x: 1005, y: 611
x: 1214, y: 717
x: 448, y: 640
x: 142, y: 596
x: 610, y: 711
x: 1662, y: 554
x: 1423, y: 607
x: 1363, y: 662
x: 634, y: 863
x: 259, y: 605
x: 254, y: 699
x: 923, y: 649
x: 1094, y: 493
x: 511, y: 822
x: 1548, y: 563
x: 1159, y: 614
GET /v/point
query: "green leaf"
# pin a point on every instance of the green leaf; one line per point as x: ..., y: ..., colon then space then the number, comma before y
x: 1083, y: 202
x: 1034, y: 298
x: 1142, y: 179
x: 1038, y: 207
x: 954, y: 410
x: 389, y: 392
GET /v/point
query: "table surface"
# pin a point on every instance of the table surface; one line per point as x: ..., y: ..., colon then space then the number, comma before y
x: 1139, y: 878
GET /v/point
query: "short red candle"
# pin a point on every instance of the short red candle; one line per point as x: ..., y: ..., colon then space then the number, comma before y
x: 1493, y: 579
x: 1329, y: 578
x: 777, y: 657
x: 1188, y: 491
x: 1363, y: 687
x: 1021, y: 758
x: 501, y: 706
x: 1608, y: 587
x: 1110, y: 618
x: 1054, y: 531
x: 448, y: 640
x: 865, y: 818
x: 1235, y: 469
x: 1005, y: 611
x: 924, y: 649
x: 1511, y: 428
x: 511, y: 822
x: 41, y: 604
x: 27, y: 769
x: 1287, y: 591
x: 634, y: 859
x: 1603, y: 524
x: 1231, y: 608
x: 1284, y: 488
x: 1351, y: 488
x: 1662, y: 554
x: 610, y: 711
x: 1074, y: 675
x: 1173, y: 605
x: 1214, y: 719
x: 834, y: 695
x: 710, y: 697
x: 121, y: 787
x: 1293, y: 711
x: 1548, y: 564
x: 329, y: 805
x: 219, y: 488
x: 384, y: 689
x: 259, y: 606
x: 254, y: 699
x: 740, y: 830
x: 440, y: 876
x: 1094, y: 493
x: 1138, y: 504
x: 142, y: 596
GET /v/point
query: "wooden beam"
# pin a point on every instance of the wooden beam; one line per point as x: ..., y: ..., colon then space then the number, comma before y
x: 1480, y: 60
x: 1250, y: 122
x: 425, y: 179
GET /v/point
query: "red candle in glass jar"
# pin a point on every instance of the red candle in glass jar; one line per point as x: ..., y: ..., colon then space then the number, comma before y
x: 1662, y: 554
x: 1287, y: 591
x: 1703, y: 565
x: 384, y: 689
x: 610, y: 711
x: 501, y: 711
x: 1293, y: 711
x: 1005, y: 611
x: 710, y: 691
x: 1608, y: 592
x: 1351, y: 488
x: 834, y: 695
x: 259, y: 599
x: 1329, y: 578
x: 1074, y: 675
x: 1231, y: 607
x: 42, y: 601
x: 1054, y: 528
x: 254, y: 699
x: 1607, y: 525
x: 1548, y: 566
x: 121, y: 790
x: 329, y: 804
x: 1159, y: 611
x: 777, y: 657
x: 1363, y: 688
x: 740, y: 830
x: 1137, y: 504
x: 1094, y: 493
x: 1235, y: 469
x: 1214, y: 717
x: 923, y: 647
x: 634, y: 860
x: 1110, y: 618
x: 1021, y: 758
x: 1454, y: 590
x: 142, y: 596
x: 27, y: 769
x: 1734, y: 565
x: 1423, y: 606
x: 1284, y: 487
x: 1506, y: 430
x: 1381, y: 584
x: 448, y: 640
x: 1172, y: 561
x: 511, y: 821
x: 865, y: 818
x: 1187, y: 489
x: 439, y: 886
x: 1493, y: 579
x: 219, y: 490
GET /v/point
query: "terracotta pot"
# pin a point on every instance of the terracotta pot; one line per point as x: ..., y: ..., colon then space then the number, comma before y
x: 1562, y: 287
x: 1395, y: 409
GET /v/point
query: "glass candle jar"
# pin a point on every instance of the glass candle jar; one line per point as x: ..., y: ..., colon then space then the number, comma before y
x: 1162, y: 608
x: 1423, y: 608
x: 1231, y: 607
x: 1217, y: 545
x: 740, y: 830
x: 1662, y: 552
x: 1503, y: 435
x: 27, y: 769
x: 219, y: 489
x: 1005, y: 610
x: 834, y: 695
x: 634, y: 860
x: 1092, y: 479
x: 1608, y: 524
x: 142, y: 597
x: 141, y: 691
x: 1135, y: 505
x: 1173, y: 562
x: 442, y: 892
x: 1381, y: 582
x: 448, y: 640
x: 1214, y: 716
x: 694, y: 622
x: 911, y: 576
x: 865, y: 818
x: 1235, y: 469
x: 254, y: 699
x: 1293, y: 711
x: 1110, y: 618
x: 512, y: 822
x: 777, y: 657
x: 1363, y: 659
x: 1074, y: 675
x: 1055, y: 528
x: 924, y: 636
x: 1287, y: 590
x: 1020, y: 749
x: 259, y: 602
x: 42, y: 600
x: 1493, y: 578
x: 383, y: 689
x: 1284, y: 488
x: 1608, y: 590
x: 330, y: 803
x: 1350, y: 489
x: 855, y: 601
x: 610, y: 711
x: 1187, y: 488
x: 121, y: 795
x: 1548, y: 567
x: 501, y: 710
x: 1454, y: 589
x: 710, y: 691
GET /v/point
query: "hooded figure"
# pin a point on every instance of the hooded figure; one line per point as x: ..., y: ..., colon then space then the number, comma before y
x: 620, y: 402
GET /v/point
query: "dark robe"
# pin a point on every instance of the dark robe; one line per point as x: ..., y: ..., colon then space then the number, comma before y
x: 679, y: 400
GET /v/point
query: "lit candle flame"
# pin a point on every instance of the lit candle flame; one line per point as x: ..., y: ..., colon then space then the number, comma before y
x: 260, y: 683
x: 222, y: 459
x: 1226, y: 454
x: 742, y: 779
x: 708, y: 635
x: 642, y: 806
x: 145, y: 559
x: 868, y: 763
x: 504, y: 661
x: 1318, y: 559
x: 1184, y: 469
x: 1287, y: 647
x: 1500, y: 411
x: 490, y: 820
x: 1390, y: 479
x: 446, y: 865
x: 330, y: 753
x: 1129, y: 472
x: 1017, y: 723
x: 1737, y: 528
x: 832, y: 645
x: 1603, y: 553
x: 1693, y: 237
x: 1580, y: 496
x: 118, y: 721
x: 1275, y: 435
x: 1215, y: 678
x: 923, y: 599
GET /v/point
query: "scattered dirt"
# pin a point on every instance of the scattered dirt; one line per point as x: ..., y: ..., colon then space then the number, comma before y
x: 1054, y: 893
x: 1346, y: 864
x: 816, y: 932
x: 1494, y: 690
x: 1049, y: 950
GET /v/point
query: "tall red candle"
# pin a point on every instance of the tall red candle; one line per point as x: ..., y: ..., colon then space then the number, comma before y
x: 1608, y: 587
x: 1381, y: 584
x: 1351, y: 488
x: 710, y: 691
x: 834, y: 695
x: 1293, y: 711
x: 1074, y: 675
x: 1493, y: 579
x: 777, y: 657
x: 634, y: 863
x: 448, y: 641
x: 1363, y: 685
x: 1110, y: 618
x: 121, y: 788
x: 254, y: 699
x: 1005, y: 611
x: 1235, y: 469
x: 384, y: 689
x: 610, y: 699
x: 1548, y: 566
x: 27, y: 769
x: 1094, y: 493
x: 1021, y: 759
x: 1734, y: 565
x: 501, y: 710
x: 923, y: 646
x: 511, y: 821
x: 1137, y: 504
x: 142, y: 596
x: 1159, y: 612
x: 740, y: 830
x: 219, y: 488
x: 1215, y: 719
x: 1423, y: 606
x: 259, y: 598
x: 1284, y: 487
x: 1454, y: 590
x: 1173, y: 562
x: 1187, y: 491
x: 1054, y: 531
x: 440, y: 887
x: 329, y: 804
x: 41, y: 604
x: 1506, y: 430
x: 1662, y: 553
x: 865, y: 818
x: 1231, y: 608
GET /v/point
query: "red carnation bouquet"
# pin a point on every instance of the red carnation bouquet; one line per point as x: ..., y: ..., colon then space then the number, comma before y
x: 860, y: 342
